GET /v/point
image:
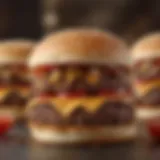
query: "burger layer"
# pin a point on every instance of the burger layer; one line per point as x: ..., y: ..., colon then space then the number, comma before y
x: 14, y: 74
x: 14, y: 96
x: 147, y: 84
x: 152, y: 98
x: 147, y: 69
x: 75, y: 77
x: 148, y: 93
x: 81, y: 111
x: 14, y: 85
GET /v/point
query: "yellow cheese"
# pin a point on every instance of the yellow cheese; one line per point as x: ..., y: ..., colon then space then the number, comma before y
x: 55, y: 76
x: 66, y: 106
x: 144, y: 88
x: 93, y: 103
x: 4, y: 92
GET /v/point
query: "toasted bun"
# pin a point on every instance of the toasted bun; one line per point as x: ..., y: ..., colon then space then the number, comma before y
x: 15, y: 51
x: 7, y: 112
x: 145, y: 113
x: 104, y: 134
x: 147, y: 47
x: 79, y: 45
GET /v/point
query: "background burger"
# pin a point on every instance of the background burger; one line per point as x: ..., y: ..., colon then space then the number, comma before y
x: 146, y: 64
x: 14, y: 82
x: 81, y: 88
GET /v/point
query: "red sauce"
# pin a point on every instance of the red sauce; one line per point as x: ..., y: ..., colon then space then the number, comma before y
x: 154, y: 127
x: 5, y: 124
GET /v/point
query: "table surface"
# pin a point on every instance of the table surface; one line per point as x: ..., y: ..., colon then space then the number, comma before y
x: 18, y: 146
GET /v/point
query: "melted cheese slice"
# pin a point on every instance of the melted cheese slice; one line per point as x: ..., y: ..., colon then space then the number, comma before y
x: 5, y: 91
x: 66, y: 106
x: 143, y: 88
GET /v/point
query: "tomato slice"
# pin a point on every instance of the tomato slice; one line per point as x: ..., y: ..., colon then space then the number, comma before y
x: 154, y: 127
x: 5, y: 124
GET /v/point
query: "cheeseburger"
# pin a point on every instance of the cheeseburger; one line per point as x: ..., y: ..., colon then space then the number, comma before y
x: 146, y: 64
x: 81, y: 88
x: 14, y: 82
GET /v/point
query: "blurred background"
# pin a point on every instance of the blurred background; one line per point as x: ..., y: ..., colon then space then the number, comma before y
x: 34, y: 18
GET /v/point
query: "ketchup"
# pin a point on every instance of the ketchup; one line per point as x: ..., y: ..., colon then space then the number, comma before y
x: 154, y: 127
x: 5, y: 124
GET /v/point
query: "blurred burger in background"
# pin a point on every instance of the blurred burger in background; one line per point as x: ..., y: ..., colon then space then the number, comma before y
x: 14, y: 77
x: 146, y: 64
x: 81, y: 88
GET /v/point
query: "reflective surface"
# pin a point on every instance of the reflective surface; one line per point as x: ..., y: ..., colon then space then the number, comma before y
x: 18, y: 146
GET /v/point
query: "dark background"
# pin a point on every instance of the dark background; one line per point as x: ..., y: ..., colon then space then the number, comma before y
x: 33, y: 18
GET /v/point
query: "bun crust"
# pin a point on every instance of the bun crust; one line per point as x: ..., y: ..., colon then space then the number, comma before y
x: 79, y: 45
x: 105, y: 134
x: 144, y: 113
x: 147, y: 47
x: 15, y: 51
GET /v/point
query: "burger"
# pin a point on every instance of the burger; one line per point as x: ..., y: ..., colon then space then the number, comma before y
x: 146, y: 71
x: 14, y: 77
x: 81, y: 88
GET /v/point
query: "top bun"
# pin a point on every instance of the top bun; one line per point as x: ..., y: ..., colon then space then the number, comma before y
x: 15, y: 51
x: 79, y: 46
x: 147, y: 47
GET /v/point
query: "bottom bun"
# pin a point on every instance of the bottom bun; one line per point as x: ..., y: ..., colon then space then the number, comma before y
x: 13, y: 112
x: 83, y: 135
x: 7, y: 112
x: 147, y: 113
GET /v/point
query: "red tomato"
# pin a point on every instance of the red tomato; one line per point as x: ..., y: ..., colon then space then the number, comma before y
x: 154, y: 127
x: 5, y: 124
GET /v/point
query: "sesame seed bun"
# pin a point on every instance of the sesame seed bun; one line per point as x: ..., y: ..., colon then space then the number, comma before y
x: 79, y: 45
x: 147, y: 47
x: 15, y: 51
